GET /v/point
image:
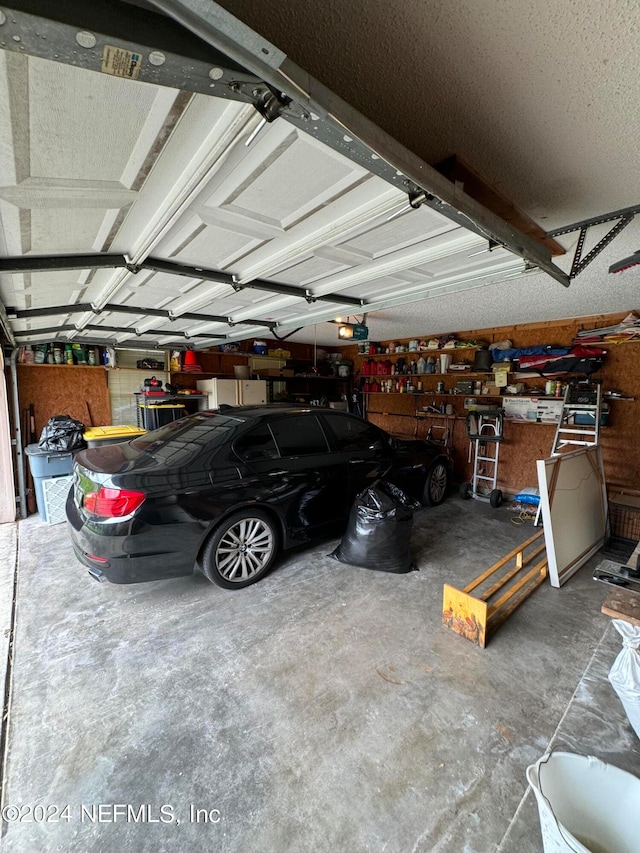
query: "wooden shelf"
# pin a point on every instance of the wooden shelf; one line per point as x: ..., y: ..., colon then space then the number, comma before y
x: 150, y: 370
x: 424, y: 393
x: 425, y: 353
x: 195, y: 372
x: 419, y: 415
x: 452, y: 374
x: 306, y: 378
x: 445, y: 416
x: 46, y: 364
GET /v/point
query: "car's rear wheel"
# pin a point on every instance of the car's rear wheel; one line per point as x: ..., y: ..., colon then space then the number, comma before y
x: 435, y: 487
x: 242, y: 550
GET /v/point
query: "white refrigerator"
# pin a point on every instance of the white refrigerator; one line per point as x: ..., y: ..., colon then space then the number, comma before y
x: 233, y: 392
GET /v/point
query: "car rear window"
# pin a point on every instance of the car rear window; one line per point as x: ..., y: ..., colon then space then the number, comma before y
x: 298, y: 435
x: 181, y: 440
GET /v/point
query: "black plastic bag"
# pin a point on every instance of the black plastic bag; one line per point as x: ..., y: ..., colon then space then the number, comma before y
x: 378, y: 535
x: 61, y: 433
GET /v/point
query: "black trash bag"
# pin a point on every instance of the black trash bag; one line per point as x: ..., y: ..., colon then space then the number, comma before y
x: 62, y: 433
x: 378, y: 534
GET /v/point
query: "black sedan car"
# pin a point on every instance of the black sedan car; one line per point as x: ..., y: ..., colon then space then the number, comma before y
x: 223, y: 491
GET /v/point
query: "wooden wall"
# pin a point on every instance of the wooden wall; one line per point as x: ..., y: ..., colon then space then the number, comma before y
x: 524, y: 443
x: 60, y: 389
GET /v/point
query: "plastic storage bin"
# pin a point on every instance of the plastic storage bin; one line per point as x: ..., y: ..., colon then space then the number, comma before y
x: 45, y: 465
x: 154, y: 417
x: 99, y: 436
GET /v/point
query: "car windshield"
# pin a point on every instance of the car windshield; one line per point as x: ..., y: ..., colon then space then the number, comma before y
x: 181, y: 440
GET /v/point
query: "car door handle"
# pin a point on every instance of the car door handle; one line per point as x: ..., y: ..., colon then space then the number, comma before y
x: 279, y: 473
x: 356, y: 461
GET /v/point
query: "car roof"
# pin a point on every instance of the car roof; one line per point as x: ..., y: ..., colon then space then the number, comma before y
x: 272, y: 409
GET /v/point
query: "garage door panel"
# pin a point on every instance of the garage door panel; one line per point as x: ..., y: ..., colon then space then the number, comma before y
x: 309, y: 270
x: 95, y: 163
x: 71, y: 134
x: 202, y: 138
x: 345, y: 213
x: 405, y: 258
x: 279, y: 179
x: 390, y: 236
x: 214, y: 247
x: 63, y: 230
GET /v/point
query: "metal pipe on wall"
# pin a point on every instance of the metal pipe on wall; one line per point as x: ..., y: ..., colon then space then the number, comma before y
x: 22, y: 491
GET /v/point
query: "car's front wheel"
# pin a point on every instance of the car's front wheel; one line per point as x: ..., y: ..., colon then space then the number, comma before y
x: 435, y: 487
x: 242, y: 550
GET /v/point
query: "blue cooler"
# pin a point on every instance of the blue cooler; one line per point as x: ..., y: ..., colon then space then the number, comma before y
x: 44, y: 465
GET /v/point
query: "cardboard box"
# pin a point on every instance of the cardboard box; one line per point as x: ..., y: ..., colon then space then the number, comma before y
x: 491, y: 390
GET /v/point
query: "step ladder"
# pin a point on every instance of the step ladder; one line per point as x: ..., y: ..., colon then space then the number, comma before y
x: 580, y: 398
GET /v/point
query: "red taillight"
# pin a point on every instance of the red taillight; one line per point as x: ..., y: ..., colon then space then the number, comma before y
x: 113, y: 503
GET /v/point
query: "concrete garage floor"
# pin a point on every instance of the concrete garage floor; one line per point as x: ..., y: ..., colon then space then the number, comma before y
x: 323, y: 709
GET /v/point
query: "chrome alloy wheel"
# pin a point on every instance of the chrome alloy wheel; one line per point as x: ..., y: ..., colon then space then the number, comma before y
x: 244, y: 550
x: 436, y: 485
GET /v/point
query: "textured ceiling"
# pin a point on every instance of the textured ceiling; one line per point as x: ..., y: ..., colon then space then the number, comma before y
x: 541, y: 99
